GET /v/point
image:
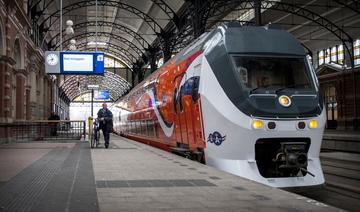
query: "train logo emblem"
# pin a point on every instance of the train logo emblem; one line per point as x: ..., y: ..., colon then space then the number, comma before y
x: 216, y: 138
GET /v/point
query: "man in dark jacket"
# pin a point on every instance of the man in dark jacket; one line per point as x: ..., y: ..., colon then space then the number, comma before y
x: 105, y: 118
x: 53, y: 125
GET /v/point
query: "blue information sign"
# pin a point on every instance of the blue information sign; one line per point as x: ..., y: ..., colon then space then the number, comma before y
x: 102, y: 95
x: 82, y: 63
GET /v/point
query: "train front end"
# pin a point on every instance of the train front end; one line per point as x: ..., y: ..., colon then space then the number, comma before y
x: 262, y: 110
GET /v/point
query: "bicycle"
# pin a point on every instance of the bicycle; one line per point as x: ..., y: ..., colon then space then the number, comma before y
x: 95, y: 134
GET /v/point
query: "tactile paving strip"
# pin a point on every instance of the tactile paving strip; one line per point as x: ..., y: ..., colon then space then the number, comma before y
x: 22, y: 192
x: 152, y: 183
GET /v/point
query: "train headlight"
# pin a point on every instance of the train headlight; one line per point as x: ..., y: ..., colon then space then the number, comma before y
x: 257, y: 124
x: 285, y: 101
x: 313, y: 124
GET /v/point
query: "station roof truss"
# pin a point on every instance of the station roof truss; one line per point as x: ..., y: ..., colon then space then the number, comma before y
x: 75, y: 86
x: 136, y: 31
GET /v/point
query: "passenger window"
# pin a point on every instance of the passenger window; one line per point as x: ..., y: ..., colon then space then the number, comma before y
x: 156, y: 130
x: 150, y: 127
x: 143, y: 126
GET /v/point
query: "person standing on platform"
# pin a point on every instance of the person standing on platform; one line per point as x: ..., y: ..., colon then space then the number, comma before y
x: 105, y: 118
x: 53, y: 125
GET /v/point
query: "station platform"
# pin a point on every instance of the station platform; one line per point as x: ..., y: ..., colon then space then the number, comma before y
x: 341, y: 140
x: 129, y: 176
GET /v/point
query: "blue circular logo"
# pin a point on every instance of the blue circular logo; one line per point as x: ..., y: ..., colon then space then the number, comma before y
x: 216, y: 138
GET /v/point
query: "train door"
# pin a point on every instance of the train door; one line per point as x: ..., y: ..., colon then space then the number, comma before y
x: 178, y: 131
x: 188, y: 108
x: 182, y: 115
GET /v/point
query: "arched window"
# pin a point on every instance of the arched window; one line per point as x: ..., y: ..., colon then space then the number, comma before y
x: 17, y: 53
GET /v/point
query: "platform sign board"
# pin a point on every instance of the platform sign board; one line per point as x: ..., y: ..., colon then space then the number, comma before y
x: 75, y: 63
x: 102, y: 95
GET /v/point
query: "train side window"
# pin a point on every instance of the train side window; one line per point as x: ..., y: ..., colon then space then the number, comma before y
x: 143, y: 126
x: 139, y: 127
x: 156, y: 129
x: 135, y: 127
x: 150, y: 128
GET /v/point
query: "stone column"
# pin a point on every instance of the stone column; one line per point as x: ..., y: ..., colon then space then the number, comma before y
x: 6, y: 86
x: 41, y: 96
x: 32, y: 96
x: 19, y: 98
x: 5, y: 96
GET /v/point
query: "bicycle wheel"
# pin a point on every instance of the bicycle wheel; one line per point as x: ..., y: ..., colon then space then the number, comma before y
x: 93, y: 140
x: 97, y: 137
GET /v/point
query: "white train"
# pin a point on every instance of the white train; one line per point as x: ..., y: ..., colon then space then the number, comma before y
x: 242, y: 99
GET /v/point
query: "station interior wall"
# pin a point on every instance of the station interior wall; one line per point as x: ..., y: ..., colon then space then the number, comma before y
x: 26, y: 91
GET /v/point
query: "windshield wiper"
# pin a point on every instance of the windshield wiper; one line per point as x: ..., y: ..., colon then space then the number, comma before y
x: 290, y: 86
x: 254, y: 89
x: 283, y: 88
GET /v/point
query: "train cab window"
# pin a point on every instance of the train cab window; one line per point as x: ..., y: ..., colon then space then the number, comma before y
x: 272, y: 73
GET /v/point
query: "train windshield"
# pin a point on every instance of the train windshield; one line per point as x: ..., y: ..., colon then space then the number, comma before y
x: 272, y: 74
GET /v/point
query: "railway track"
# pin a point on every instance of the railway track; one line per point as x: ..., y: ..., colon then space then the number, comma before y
x: 342, y: 181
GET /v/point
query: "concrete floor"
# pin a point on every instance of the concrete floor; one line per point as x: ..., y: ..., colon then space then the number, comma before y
x: 129, y: 176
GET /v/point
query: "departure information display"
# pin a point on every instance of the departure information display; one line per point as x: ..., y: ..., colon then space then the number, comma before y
x: 76, y: 63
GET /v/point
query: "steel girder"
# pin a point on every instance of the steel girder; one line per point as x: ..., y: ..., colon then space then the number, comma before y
x: 223, y: 6
x: 293, y: 9
x: 141, y: 40
x: 128, y: 62
x: 119, y: 49
x: 116, y: 85
x: 132, y: 46
x: 346, y: 3
x: 168, y: 11
x: 33, y: 8
x: 111, y: 3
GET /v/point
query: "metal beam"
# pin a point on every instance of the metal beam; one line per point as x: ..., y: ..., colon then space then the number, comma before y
x: 168, y: 11
x: 121, y: 39
x: 119, y: 49
x: 142, y: 41
x: 109, y: 3
x: 71, y: 84
x: 223, y: 6
x: 353, y: 5
x: 120, y: 54
x: 257, y: 8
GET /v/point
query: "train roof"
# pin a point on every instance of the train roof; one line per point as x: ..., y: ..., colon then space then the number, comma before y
x: 240, y: 39
x: 262, y: 40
